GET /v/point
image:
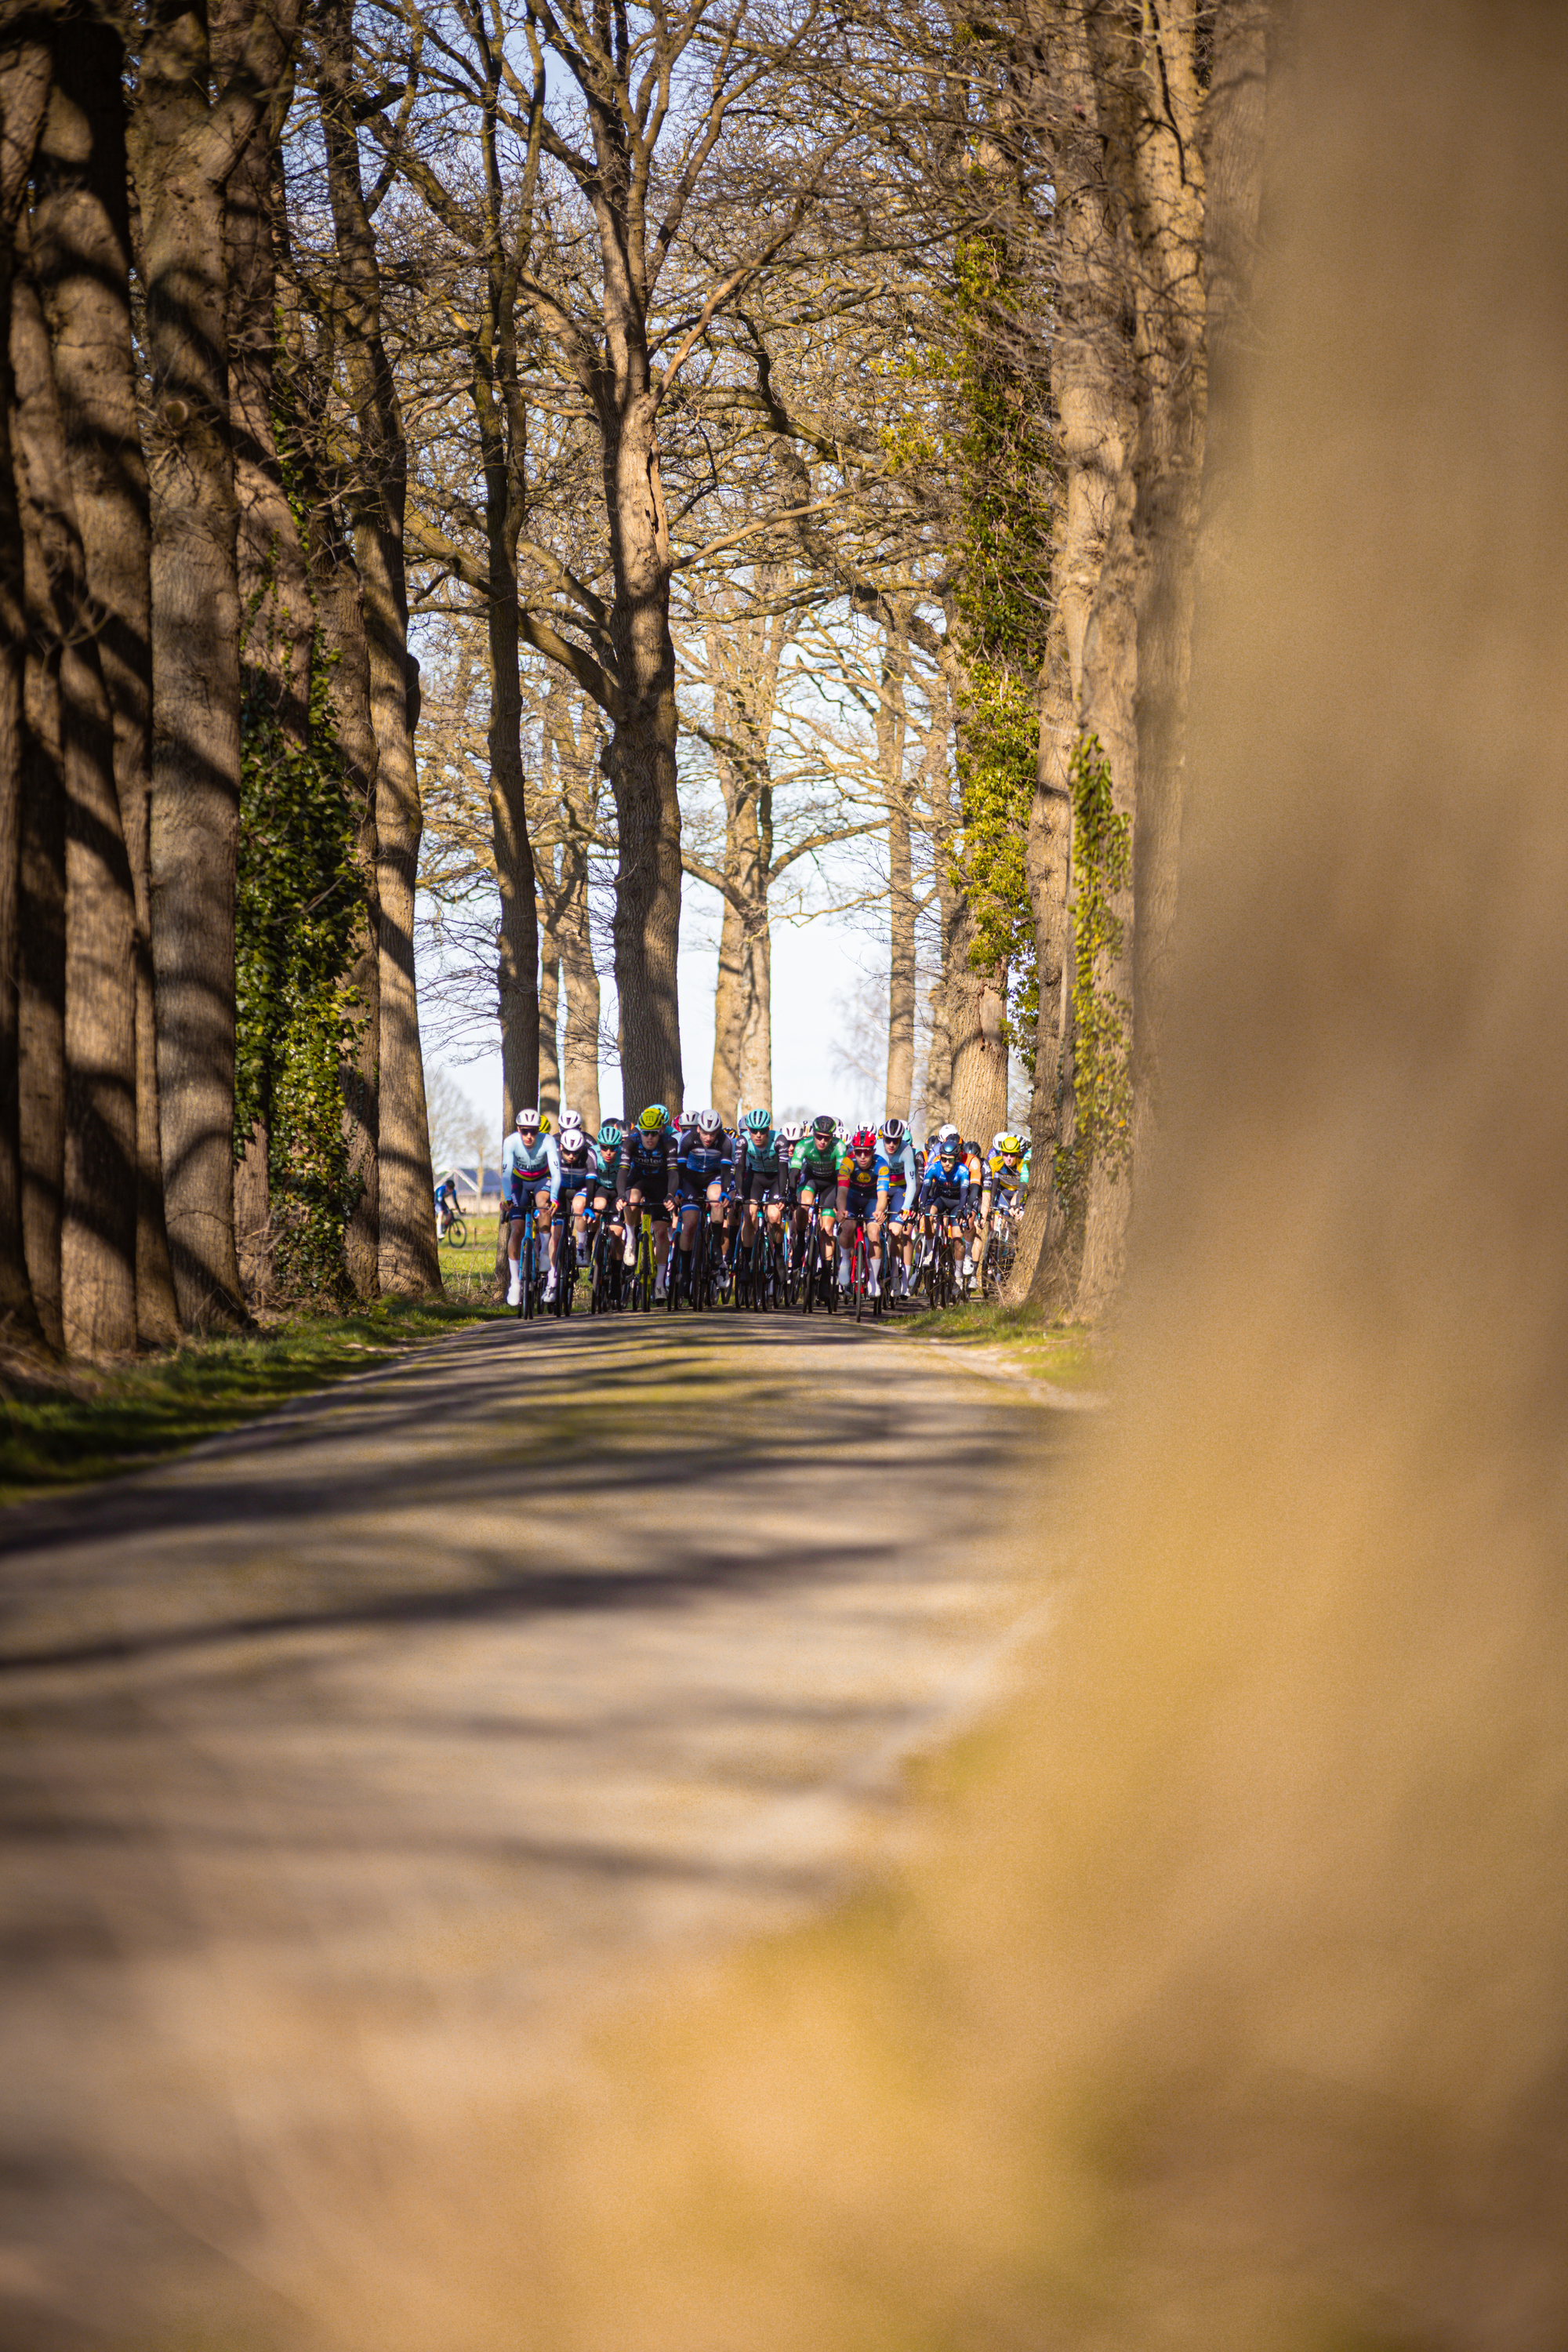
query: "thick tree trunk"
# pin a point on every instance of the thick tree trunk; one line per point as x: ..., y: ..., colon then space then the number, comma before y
x: 1047, y: 867
x: 1158, y: 156
x: 82, y: 235
x: 41, y: 983
x: 642, y: 755
x: 1232, y: 139
x: 182, y: 152
x: 757, y: 1041
x: 579, y: 1066
x: 730, y: 1009
x: 340, y: 632
x: 891, y: 729
x: 523, y: 1021
x: 548, y: 1033
x: 97, y: 1230
x: 23, y: 86
x: 409, y: 1262
x: 978, y: 1033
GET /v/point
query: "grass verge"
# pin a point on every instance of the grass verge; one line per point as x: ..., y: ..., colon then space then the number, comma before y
x: 92, y: 1424
x: 1068, y: 1355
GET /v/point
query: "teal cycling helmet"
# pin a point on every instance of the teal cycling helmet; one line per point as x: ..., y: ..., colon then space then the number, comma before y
x: 759, y: 1121
x: 610, y: 1135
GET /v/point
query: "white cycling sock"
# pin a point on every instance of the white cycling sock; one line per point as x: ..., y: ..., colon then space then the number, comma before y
x: 844, y: 1265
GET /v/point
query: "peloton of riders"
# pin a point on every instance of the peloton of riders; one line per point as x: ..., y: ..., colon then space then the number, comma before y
x: 675, y: 1173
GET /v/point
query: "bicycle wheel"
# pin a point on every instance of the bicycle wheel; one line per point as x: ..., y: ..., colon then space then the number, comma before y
x: 525, y: 1271
x: 858, y: 1271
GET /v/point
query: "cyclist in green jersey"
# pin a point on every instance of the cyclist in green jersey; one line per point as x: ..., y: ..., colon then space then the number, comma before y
x: 814, y: 1163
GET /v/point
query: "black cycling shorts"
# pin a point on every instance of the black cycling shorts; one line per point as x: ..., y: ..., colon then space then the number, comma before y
x: 859, y: 1200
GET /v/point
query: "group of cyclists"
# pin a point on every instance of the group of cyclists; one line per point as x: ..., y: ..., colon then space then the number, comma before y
x: 691, y: 1212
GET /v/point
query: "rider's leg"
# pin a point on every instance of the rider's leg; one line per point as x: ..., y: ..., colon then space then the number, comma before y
x: 661, y: 1252
x: 873, y: 1256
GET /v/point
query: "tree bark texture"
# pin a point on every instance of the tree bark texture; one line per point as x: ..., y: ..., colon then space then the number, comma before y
x: 410, y: 1264
x: 97, y: 1199
x: 1149, y: 108
x: 577, y: 778
x: 743, y: 661
x: 25, y: 64
x: 891, y: 730
x: 642, y: 749
x: 548, y: 1096
x: 1048, y: 872
x: 82, y: 239
x: 184, y: 143
x: 339, y: 623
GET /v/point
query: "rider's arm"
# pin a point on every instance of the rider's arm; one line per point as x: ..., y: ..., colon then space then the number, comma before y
x: 553, y: 1161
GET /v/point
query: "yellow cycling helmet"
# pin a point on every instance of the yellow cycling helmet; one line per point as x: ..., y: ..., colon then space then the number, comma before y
x: 653, y: 1118
x: 1009, y: 1148
x: 545, y: 1123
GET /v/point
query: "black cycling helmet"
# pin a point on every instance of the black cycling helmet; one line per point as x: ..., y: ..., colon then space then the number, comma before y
x: 825, y: 1124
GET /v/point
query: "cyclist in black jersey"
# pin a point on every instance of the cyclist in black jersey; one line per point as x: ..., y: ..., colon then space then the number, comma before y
x: 703, y: 1172
x: 645, y: 1184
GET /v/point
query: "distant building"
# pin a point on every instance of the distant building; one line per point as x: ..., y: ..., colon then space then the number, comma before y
x: 477, y: 1188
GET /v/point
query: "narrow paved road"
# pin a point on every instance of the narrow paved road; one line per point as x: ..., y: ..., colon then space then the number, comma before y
x: 412, y: 1729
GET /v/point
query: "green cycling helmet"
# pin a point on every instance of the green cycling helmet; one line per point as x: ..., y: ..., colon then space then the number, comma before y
x: 653, y: 1118
x: 759, y: 1121
x: 610, y: 1135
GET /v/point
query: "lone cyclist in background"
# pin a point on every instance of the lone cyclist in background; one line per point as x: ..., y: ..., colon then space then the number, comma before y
x: 529, y: 1175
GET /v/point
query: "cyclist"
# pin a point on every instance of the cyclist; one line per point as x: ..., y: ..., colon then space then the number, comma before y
x: 944, y: 1189
x: 863, y: 1197
x: 904, y: 1167
x: 577, y: 1173
x: 815, y: 1165
x: 530, y: 1166
x: 446, y: 1206
x: 701, y: 1166
x: 643, y: 1179
x: 1001, y: 1188
x: 758, y: 1155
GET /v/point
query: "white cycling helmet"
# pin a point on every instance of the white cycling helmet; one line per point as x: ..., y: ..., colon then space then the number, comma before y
x: 792, y: 1131
x: 528, y: 1119
x: 893, y: 1131
x: 708, y: 1122
x: 570, y: 1119
x: 948, y: 1132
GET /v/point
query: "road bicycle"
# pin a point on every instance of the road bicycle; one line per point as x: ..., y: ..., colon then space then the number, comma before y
x: 817, y: 1273
x: 861, y: 1275
x: 454, y: 1231
x: 606, y: 1269
x: 566, y: 1271
x: 529, y: 1276
x: 1001, y: 1251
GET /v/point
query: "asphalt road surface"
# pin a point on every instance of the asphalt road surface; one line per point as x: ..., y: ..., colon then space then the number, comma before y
x: 400, y: 1738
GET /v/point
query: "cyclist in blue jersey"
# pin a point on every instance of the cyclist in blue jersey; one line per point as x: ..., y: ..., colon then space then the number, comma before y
x: 529, y: 1175
x: 944, y: 1188
x: 903, y: 1192
x: 576, y: 1176
x: 703, y: 1172
x: 645, y: 1183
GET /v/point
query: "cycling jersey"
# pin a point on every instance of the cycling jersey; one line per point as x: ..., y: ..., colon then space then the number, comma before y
x: 701, y: 1163
x: 947, y: 1188
x: 815, y: 1164
x: 526, y: 1166
x: 644, y: 1162
x: 904, y: 1172
x: 576, y: 1173
x: 1000, y: 1179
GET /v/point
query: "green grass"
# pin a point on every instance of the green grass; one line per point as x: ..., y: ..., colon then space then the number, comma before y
x: 1065, y: 1354
x: 469, y: 1272
x: 92, y: 1424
